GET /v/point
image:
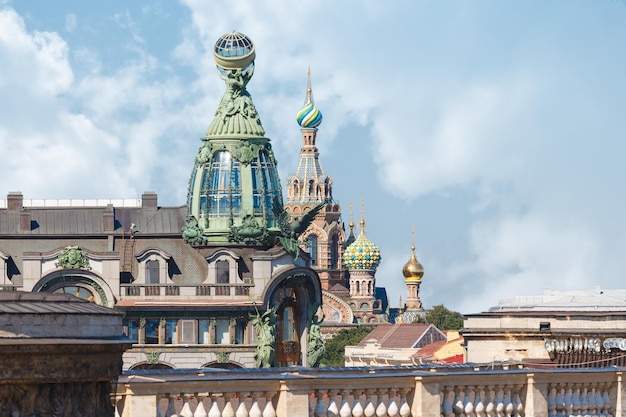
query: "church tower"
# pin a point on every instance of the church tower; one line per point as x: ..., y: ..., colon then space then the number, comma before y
x: 362, y: 258
x: 324, y: 239
x: 413, y: 272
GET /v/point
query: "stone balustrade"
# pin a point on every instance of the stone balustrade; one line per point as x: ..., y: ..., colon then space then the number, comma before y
x: 422, y: 391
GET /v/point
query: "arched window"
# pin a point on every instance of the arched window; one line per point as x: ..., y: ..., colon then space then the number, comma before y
x: 334, y: 252
x: 152, y: 272
x: 222, y: 272
x: 364, y: 306
x: 221, y: 188
x: 312, y: 247
x: 265, y: 183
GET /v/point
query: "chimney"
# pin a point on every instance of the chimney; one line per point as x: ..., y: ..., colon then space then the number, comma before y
x: 15, y: 201
x: 108, y: 218
x: 25, y: 221
x: 149, y: 200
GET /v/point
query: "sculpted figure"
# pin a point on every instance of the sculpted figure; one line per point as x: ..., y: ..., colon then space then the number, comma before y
x: 315, y: 343
x: 264, y: 326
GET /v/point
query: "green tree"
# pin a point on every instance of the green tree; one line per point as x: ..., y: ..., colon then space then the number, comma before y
x: 336, y: 346
x: 443, y: 319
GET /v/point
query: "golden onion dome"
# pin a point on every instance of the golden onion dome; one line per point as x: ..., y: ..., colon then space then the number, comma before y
x: 413, y: 270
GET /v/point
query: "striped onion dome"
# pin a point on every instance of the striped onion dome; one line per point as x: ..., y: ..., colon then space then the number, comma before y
x: 362, y: 253
x: 309, y: 116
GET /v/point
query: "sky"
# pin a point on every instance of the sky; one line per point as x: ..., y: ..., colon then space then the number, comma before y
x: 495, y: 129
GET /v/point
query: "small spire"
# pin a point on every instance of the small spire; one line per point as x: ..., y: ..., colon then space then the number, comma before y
x: 362, y: 222
x: 309, y: 90
x: 413, y: 238
x: 351, y: 220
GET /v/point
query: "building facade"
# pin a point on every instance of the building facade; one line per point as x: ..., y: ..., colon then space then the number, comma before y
x: 578, y: 329
x: 218, y: 282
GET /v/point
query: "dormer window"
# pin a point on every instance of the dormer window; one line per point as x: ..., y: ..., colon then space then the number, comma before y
x: 152, y: 272
x: 222, y: 272
x: 223, y: 267
x: 153, y: 266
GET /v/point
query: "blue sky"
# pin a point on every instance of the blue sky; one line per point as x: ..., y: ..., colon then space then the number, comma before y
x: 495, y: 128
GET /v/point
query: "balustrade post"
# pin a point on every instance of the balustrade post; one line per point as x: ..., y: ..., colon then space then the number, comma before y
x: 536, y: 403
x: 292, y: 401
x: 140, y: 405
x: 619, y: 393
x: 426, y: 399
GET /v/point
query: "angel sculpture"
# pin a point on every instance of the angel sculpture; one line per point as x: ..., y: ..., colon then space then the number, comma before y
x: 265, y: 337
x: 315, y: 343
x: 291, y: 230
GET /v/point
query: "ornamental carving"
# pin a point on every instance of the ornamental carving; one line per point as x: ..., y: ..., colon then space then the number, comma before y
x: 152, y: 356
x: 192, y: 232
x: 236, y: 113
x: 222, y: 357
x: 250, y: 232
x: 73, y: 258
x: 204, y: 153
x: 246, y: 152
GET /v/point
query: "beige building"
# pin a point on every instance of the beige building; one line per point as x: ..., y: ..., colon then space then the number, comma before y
x: 582, y: 328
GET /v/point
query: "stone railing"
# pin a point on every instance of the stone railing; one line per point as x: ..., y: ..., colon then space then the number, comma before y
x: 141, y: 291
x: 460, y: 391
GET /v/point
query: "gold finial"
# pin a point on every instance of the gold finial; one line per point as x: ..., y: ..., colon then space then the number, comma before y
x: 413, y: 238
x: 309, y: 91
x: 400, y: 308
x: 351, y: 220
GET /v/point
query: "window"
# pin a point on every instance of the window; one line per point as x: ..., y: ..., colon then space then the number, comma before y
x: 132, y: 331
x: 265, y: 184
x: 204, y: 328
x: 152, y: 272
x: 222, y: 331
x: 334, y: 252
x: 241, y: 331
x: 152, y: 332
x: 364, y: 306
x: 188, y: 333
x: 222, y: 272
x: 153, y: 266
x: 221, y: 187
x: 312, y: 246
x: 171, y: 333
x: 76, y: 291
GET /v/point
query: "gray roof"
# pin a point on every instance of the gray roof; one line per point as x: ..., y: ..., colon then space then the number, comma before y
x: 55, y: 221
x: 18, y: 302
x: 574, y: 300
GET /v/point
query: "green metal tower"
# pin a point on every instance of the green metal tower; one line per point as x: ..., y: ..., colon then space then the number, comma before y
x: 234, y: 186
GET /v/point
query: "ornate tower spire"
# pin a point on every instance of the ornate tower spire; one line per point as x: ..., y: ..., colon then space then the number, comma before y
x: 309, y: 184
x: 413, y: 272
x: 234, y: 183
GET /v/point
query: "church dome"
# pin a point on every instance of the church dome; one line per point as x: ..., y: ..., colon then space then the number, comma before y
x: 362, y: 253
x: 234, y: 50
x: 413, y: 270
x: 309, y: 116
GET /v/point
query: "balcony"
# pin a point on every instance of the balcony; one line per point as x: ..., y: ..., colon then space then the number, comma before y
x: 464, y: 390
x: 155, y: 291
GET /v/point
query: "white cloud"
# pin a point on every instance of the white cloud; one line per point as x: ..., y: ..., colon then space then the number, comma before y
x: 37, y: 61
